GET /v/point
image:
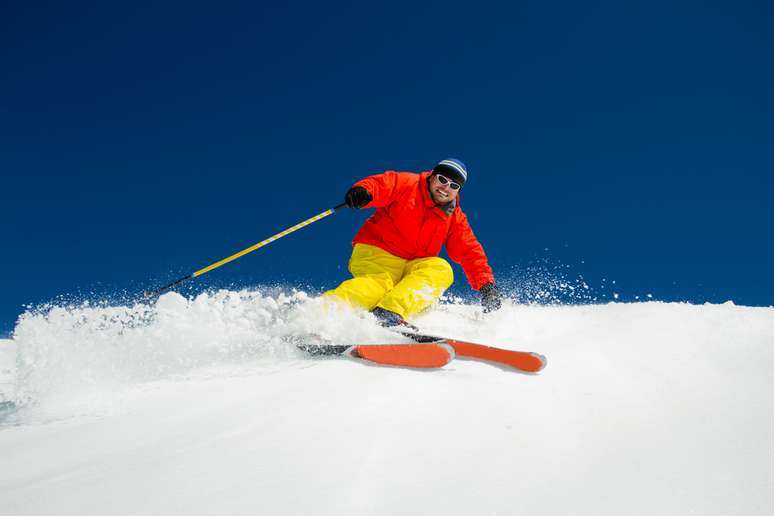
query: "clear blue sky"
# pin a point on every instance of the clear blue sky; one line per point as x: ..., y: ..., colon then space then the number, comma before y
x: 626, y: 141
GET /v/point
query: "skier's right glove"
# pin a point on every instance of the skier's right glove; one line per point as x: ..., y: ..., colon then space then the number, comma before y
x: 490, y: 298
x: 357, y: 197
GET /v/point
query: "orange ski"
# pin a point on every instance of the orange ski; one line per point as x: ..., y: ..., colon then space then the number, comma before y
x: 422, y: 356
x: 522, y: 360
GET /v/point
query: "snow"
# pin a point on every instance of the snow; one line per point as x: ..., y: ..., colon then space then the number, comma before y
x: 203, y: 407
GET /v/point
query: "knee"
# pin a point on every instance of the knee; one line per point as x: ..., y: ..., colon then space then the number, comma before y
x: 442, y: 273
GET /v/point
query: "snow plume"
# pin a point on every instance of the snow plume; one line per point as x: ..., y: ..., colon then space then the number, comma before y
x: 541, y: 284
x: 66, y: 351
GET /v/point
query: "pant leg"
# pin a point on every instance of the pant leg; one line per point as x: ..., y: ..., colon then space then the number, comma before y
x: 424, y: 281
x: 375, y: 272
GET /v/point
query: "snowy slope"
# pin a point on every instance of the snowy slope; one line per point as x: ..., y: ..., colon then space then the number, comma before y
x: 203, y: 407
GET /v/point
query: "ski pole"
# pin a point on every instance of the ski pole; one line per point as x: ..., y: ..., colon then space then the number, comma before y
x: 241, y: 253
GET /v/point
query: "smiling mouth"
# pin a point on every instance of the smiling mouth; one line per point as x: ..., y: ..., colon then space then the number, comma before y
x: 441, y: 193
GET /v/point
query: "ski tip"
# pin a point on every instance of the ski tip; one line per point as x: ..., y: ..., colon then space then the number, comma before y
x: 541, y: 362
x: 525, y: 361
x: 418, y: 356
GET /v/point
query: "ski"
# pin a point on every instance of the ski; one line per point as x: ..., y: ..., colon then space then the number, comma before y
x: 429, y: 351
x: 425, y: 355
x: 526, y: 361
x: 430, y: 355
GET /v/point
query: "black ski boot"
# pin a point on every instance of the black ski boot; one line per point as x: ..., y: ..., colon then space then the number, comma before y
x: 391, y: 320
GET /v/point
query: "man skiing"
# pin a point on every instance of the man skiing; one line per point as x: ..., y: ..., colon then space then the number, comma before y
x: 395, y: 264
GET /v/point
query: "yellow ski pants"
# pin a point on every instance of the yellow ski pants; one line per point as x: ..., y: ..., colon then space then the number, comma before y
x: 405, y: 287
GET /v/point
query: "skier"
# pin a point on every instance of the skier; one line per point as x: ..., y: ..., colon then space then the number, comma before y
x: 395, y: 264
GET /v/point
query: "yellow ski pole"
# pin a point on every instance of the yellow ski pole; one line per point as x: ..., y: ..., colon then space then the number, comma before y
x: 243, y: 252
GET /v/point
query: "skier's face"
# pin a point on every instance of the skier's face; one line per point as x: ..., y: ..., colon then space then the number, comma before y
x: 440, y: 191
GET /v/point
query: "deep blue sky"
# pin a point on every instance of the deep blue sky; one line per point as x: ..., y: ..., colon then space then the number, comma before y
x: 626, y: 141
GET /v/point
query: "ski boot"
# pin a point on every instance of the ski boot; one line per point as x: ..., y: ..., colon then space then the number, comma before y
x: 392, y: 320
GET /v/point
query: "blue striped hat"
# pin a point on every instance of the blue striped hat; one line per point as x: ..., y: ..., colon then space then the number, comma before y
x: 454, y: 169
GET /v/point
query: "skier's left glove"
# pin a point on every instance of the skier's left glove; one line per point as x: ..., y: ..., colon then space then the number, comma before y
x: 490, y: 298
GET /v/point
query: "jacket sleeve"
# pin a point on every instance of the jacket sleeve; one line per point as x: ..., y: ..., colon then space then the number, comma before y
x: 463, y: 248
x: 383, y: 188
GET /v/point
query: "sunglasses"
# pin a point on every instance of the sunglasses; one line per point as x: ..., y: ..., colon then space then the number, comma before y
x: 446, y: 181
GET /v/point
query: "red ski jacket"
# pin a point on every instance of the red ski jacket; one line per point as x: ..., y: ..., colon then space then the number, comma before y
x: 408, y: 224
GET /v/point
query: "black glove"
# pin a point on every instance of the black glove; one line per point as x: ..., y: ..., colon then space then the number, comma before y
x: 357, y: 197
x: 490, y: 298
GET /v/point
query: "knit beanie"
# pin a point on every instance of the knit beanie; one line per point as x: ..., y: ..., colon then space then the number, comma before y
x: 454, y: 169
